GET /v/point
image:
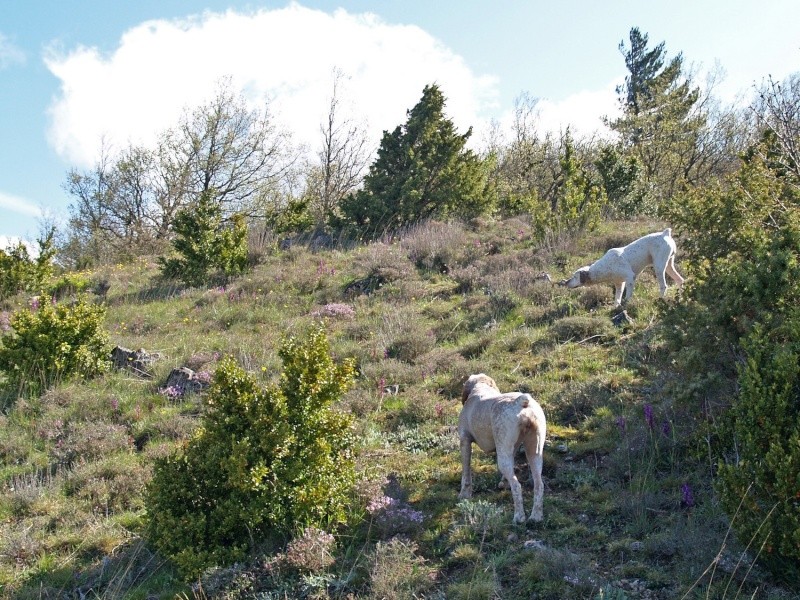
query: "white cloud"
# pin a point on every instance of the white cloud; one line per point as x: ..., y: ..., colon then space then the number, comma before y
x: 9, y: 53
x: 161, y: 67
x: 582, y: 112
x: 9, y: 241
x: 19, y: 205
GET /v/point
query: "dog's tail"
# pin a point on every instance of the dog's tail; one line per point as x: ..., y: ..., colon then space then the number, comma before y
x: 667, y: 232
x: 524, y: 400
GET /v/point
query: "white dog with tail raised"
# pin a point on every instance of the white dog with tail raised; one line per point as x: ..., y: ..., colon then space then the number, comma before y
x: 500, y: 423
x: 620, y: 266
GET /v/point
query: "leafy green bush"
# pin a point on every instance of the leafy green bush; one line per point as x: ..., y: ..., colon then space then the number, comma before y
x: 69, y: 284
x: 54, y: 342
x: 764, y: 475
x: 19, y: 272
x: 206, y: 244
x: 737, y: 328
x: 266, y: 461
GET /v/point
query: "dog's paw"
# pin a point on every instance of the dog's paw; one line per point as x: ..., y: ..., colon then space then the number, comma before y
x: 535, y: 518
x: 519, y: 519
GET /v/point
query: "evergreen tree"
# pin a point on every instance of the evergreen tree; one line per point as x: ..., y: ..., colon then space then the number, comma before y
x: 660, y: 125
x: 423, y: 170
x: 205, y: 243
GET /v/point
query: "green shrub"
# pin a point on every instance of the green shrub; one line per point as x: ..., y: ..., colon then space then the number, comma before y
x: 54, y: 343
x: 764, y: 477
x: 69, y: 284
x: 205, y: 244
x: 266, y: 461
x: 20, y: 272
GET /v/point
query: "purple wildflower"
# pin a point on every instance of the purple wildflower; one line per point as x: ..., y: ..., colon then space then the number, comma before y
x: 335, y: 309
x: 204, y: 377
x: 114, y: 404
x: 687, y: 497
x: 378, y: 504
x: 648, y: 415
x: 666, y: 428
x: 621, y: 423
x: 393, y: 516
x: 173, y: 392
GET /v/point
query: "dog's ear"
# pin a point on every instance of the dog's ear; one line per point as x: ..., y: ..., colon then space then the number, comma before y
x: 584, y: 277
x: 468, y: 385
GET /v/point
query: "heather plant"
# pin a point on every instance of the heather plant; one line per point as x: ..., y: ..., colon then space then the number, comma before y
x: 435, y: 246
x: 54, y: 342
x: 311, y: 551
x: 392, y: 516
x: 266, y: 461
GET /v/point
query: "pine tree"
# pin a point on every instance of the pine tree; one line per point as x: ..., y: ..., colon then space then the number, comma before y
x: 205, y: 243
x: 423, y: 170
x: 660, y: 125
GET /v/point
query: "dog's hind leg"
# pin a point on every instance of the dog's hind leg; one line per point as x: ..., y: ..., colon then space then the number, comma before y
x: 466, y: 468
x: 505, y: 462
x: 673, y: 272
x: 662, y: 280
x: 533, y: 452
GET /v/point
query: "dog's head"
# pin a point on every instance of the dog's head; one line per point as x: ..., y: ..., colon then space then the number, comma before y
x: 474, y: 380
x: 579, y: 278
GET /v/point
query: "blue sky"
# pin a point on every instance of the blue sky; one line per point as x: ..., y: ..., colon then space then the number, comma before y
x: 73, y: 73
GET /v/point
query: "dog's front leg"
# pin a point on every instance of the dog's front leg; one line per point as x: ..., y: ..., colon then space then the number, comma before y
x: 466, y: 467
x: 629, y: 286
x: 619, y: 289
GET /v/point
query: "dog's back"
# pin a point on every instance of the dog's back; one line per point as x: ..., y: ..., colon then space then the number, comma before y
x: 645, y: 251
x: 487, y: 418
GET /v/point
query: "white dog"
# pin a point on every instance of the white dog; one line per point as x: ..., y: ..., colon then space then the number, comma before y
x: 500, y: 423
x: 620, y: 266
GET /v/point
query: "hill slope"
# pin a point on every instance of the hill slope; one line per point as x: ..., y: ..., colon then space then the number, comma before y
x: 629, y: 511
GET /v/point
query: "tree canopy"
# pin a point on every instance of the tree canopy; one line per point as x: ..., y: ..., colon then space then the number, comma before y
x: 423, y: 169
x: 661, y: 122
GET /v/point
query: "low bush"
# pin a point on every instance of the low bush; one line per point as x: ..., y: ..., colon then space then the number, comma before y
x: 21, y: 272
x: 206, y: 245
x: 52, y: 343
x: 760, y: 484
x: 266, y: 461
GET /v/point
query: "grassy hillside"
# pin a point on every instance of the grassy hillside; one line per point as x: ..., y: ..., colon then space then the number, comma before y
x: 629, y: 508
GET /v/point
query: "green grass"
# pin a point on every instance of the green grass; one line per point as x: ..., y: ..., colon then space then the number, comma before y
x: 439, y: 304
